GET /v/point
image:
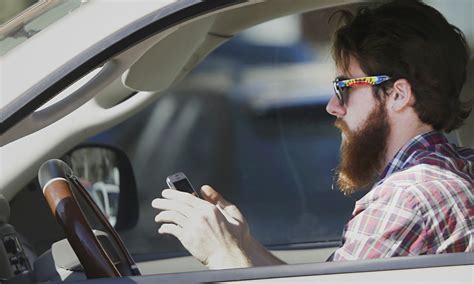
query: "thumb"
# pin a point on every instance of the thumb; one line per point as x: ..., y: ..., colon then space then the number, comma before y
x: 213, y: 196
x: 227, y: 208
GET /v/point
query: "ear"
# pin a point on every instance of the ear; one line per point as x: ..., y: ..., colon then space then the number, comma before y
x: 401, y: 96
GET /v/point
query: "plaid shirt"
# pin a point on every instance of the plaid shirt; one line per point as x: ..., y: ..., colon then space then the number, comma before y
x: 422, y: 204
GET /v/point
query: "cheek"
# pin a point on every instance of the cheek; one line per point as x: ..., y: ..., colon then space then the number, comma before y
x: 356, y: 117
x: 354, y: 122
x: 361, y: 105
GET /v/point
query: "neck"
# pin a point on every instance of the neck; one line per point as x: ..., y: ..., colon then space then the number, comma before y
x: 399, y: 136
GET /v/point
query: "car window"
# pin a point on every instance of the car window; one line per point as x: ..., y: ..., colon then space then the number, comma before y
x: 22, y: 19
x: 250, y: 120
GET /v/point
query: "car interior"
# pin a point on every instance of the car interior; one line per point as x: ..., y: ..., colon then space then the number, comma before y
x: 120, y: 87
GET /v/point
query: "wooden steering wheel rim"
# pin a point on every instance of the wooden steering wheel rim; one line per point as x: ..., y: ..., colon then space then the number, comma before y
x: 56, y: 187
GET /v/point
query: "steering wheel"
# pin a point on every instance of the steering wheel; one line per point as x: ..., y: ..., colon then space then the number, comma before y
x: 57, y: 179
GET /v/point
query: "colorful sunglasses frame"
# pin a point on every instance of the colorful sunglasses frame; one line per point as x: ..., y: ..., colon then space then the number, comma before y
x: 341, y: 85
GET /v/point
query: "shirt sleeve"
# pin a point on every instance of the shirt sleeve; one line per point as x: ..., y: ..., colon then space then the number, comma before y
x: 386, y: 227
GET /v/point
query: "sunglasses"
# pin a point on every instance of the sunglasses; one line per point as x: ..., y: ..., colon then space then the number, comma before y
x: 341, y: 87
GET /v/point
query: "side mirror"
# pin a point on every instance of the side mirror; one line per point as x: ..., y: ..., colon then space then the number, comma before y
x: 107, y: 175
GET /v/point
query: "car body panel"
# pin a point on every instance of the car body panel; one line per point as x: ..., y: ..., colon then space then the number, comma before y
x: 448, y: 268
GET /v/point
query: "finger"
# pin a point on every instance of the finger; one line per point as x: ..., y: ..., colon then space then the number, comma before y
x: 227, y: 209
x: 171, y: 229
x: 213, y: 196
x: 172, y: 205
x: 171, y: 217
x: 184, y: 197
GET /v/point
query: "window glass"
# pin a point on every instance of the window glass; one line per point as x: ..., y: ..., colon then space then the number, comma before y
x: 97, y: 170
x: 250, y: 121
x: 22, y: 19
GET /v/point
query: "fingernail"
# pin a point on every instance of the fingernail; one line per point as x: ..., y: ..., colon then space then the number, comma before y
x: 154, y: 202
x: 164, y: 192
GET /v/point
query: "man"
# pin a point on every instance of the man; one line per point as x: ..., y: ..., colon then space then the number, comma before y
x: 401, y: 67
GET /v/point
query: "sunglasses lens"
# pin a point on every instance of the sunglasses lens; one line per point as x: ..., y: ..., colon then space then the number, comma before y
x: 337, y: 92
x: 340, y: 94
x: 344, y: 92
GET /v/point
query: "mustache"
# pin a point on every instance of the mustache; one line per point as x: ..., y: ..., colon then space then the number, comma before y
x: 342, y: 125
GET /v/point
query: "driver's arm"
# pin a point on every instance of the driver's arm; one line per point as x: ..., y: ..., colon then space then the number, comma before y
x: 212, y: 230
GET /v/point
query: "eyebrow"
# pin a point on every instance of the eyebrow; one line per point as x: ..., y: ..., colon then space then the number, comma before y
x: 341, y: 78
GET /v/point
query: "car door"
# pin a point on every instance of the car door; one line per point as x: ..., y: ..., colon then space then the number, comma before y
x: 191, y: 29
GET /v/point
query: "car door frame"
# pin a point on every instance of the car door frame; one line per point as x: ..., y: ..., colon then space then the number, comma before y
x: 93, y: 57
x: 419, y: 267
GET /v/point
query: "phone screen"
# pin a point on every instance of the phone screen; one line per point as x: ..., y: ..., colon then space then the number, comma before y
x: 183, y: 185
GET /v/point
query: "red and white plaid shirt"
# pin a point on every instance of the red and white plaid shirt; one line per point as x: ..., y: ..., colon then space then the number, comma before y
x: 423, y: 204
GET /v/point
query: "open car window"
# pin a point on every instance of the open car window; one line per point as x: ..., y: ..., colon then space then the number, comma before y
x: 250, y: 120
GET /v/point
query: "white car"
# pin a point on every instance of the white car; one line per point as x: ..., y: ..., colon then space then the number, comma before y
x: 231, y: 92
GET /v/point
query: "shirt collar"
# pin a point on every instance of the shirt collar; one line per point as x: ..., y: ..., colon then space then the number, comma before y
x: 404, y: 155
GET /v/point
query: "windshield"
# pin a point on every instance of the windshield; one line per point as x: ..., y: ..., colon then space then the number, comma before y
x: 22, y: 19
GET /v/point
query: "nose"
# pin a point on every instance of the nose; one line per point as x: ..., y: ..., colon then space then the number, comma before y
x: 335, y: 108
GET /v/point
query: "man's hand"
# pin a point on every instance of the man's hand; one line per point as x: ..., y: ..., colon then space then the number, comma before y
x: 212, y: 230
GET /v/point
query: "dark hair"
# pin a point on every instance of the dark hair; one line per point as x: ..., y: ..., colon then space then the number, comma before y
x: 408, y: 39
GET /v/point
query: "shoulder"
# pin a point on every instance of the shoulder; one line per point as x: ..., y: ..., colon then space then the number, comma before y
x: 426, y: 176
x: 445, y: 158
x: 423, y: 187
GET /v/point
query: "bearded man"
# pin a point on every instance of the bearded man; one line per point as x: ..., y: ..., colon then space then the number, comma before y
x: 397, y: 88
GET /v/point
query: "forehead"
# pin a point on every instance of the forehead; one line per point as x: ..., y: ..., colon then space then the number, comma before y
x: 353, y: 70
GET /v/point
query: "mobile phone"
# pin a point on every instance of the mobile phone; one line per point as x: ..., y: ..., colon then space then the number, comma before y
x: 179, y: 181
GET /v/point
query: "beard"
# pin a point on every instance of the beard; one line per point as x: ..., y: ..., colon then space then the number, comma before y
x: 363, y: 151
